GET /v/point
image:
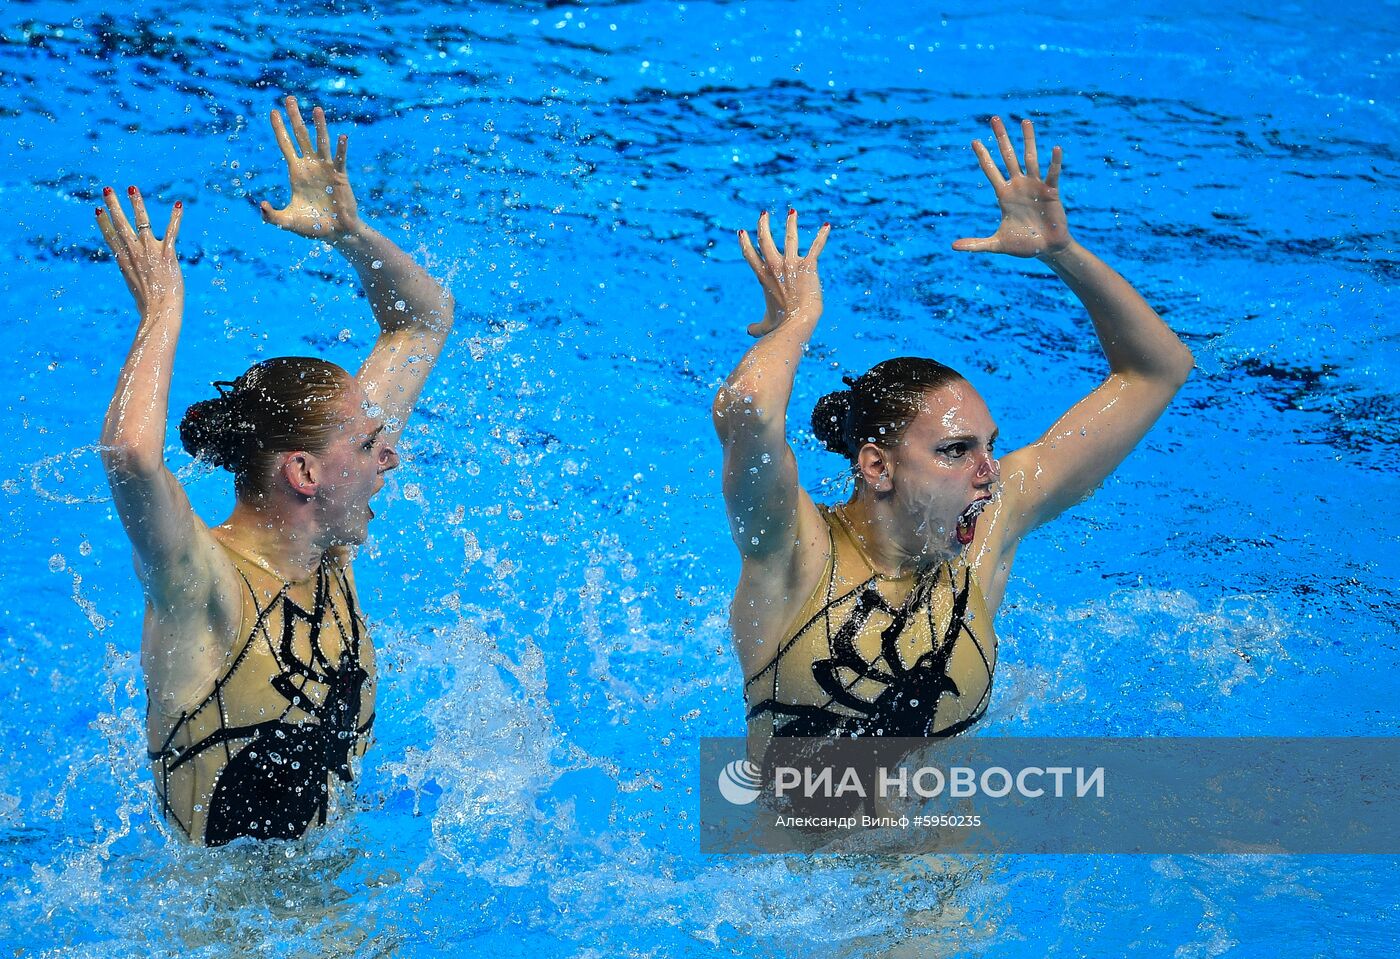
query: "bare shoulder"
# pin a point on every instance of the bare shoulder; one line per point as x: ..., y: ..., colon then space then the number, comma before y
x: 773, y: 587
x: 192, y: 626
x: 183, y: 571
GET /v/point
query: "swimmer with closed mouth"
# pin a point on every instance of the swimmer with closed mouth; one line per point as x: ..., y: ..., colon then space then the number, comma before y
x: 875, y: 616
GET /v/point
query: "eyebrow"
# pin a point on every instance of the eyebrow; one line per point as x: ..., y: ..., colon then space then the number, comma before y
x: 375, y: 432
x: 969, y: 438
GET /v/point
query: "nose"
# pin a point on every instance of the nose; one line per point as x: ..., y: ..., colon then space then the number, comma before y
x: 388, y: 459
x: 988, y: 469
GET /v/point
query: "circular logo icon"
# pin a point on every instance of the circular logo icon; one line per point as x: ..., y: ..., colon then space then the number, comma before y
x: 739, y: 782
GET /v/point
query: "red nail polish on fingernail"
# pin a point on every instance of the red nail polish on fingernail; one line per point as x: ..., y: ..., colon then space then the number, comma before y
x: 825, y: 225
x: 131, y: 191
x: 106, y: 191
x: 179, y: 204
x: 99, y: 214
x: 791, y: 212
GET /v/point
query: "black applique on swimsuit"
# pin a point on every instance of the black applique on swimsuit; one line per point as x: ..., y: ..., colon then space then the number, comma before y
x: 908, y: 704
x: 277, y: 783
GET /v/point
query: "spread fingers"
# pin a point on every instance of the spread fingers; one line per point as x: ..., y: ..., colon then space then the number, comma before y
x: 1032, y: 159
x: 766, y: 246
x: 284, y: 142
x: 988, y: 165
x: 818, y: 244
x: 299, y: 127
x: 1008, y: 152
x: 172, y: 229
x: 323, y: 137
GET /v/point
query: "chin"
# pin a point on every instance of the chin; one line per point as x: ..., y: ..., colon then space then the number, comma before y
x: 350, y: 538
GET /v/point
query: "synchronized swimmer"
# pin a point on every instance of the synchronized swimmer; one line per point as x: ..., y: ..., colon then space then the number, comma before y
x: 870, y: 617
x: 875, y: 616
x: 260, y: 671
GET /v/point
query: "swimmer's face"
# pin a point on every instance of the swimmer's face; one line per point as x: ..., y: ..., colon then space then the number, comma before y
x: 354, y: 468
x: 944, y: 471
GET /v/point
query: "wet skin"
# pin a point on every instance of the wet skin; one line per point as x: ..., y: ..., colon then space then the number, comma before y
x: 355, y: 463
x: 942, y: 465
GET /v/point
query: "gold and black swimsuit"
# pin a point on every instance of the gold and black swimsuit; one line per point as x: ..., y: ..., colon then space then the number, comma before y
x: 255, y: 757
x: 876, y: 655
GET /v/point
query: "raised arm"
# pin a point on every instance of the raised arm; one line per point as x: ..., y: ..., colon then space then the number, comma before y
x: 765, y: 502
x: 168, y: 538
x: 413, y: 311
x: 1147, y: 363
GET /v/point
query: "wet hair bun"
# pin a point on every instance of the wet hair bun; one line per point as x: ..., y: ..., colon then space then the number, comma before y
x: 829, y: 421
x: 279, y: 405
x: 878, y: 405
x: 218, y: 432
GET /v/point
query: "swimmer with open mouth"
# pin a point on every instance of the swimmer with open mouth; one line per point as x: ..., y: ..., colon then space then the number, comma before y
x: 874, y: 616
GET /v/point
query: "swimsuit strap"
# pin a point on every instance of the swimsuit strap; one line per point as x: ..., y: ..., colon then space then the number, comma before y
x: 846, y: 713
x: 187, y: 714
x: 353, y: 634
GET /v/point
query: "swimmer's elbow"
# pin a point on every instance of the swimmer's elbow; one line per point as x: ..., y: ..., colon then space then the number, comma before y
x: 130, y: 464
x: 1163, y: 373
x: 735, y: 406
x: 124, y: 460
x: 440, y: 318
x: 1182, y: 363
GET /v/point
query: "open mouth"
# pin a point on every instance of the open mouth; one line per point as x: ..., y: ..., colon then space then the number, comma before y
x: 967, y: 522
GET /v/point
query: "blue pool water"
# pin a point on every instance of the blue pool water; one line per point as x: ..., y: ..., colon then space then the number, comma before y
x: 549, y: 574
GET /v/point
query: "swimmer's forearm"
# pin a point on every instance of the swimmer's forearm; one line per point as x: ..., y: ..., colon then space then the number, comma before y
x: 761, y: 385
x: 1133, y: 336
x: 401, y: 294
x: 133, y: 432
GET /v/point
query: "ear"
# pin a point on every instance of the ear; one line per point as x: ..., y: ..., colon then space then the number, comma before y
x: 302, y: 471
x: 875, y: 467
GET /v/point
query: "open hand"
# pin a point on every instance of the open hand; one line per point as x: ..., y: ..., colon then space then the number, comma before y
x: 148, y: 263
x: 790, y: 283
x: 1033, y: 220
x: 322, y: 204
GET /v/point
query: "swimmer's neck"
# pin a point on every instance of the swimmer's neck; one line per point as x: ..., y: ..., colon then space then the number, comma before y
x: 891, y: 544
x: 287, y: 547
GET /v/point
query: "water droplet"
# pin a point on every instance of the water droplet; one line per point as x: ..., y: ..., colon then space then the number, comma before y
x: 57, y: 563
